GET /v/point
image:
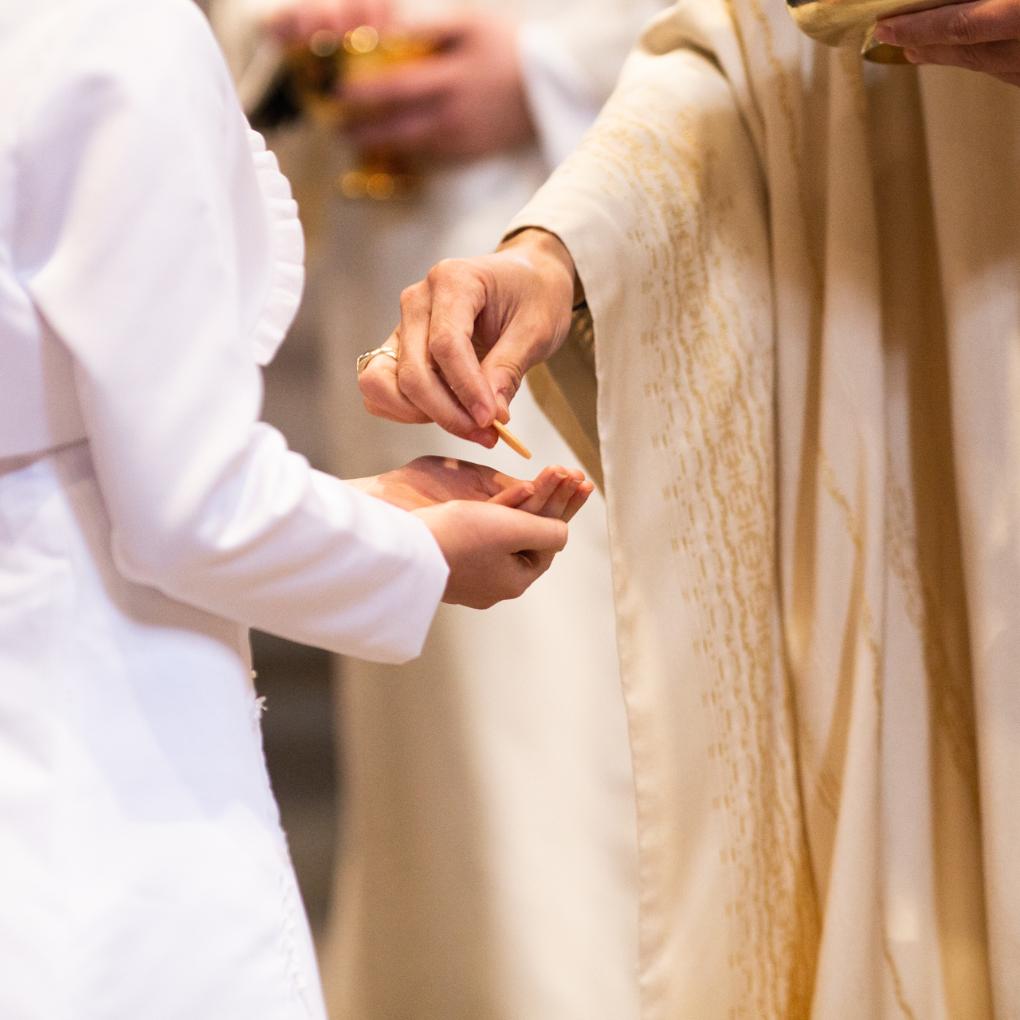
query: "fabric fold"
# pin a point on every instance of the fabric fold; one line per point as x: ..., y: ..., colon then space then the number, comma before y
x: 286, y: 254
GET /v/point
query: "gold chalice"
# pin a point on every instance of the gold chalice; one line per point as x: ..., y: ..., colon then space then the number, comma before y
x: 318, y: 71
x: 852, y: 22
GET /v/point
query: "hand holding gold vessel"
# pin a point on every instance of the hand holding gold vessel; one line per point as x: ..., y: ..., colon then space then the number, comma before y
x: 468, y: 334
x: 853, y: 22
x: 983, y: 35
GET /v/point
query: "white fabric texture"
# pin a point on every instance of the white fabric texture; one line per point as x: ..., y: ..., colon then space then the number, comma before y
x: 150, y: 256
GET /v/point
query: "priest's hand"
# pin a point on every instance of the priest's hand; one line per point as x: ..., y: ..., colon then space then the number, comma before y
x: 297, y: 20
x: 983, y: 35
x: 468, y: 333
x: 466, y: 100
x: 498, y: 534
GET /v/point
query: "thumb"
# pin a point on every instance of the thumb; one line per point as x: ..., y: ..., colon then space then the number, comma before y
x: 529, y: 533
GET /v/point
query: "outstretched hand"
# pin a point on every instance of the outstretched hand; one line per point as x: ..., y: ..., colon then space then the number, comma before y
x: 983, y: 35
x: 556, y: 492
x: 498, y: 534
x: 468, y: 333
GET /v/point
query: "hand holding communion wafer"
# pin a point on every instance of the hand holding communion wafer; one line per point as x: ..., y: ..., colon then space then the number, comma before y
x: 468, y: 333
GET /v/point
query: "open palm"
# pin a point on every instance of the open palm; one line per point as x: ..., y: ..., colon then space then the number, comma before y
x: 427, y: 481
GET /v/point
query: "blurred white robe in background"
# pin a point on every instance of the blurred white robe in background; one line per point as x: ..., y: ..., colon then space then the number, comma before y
x: 487, y: 858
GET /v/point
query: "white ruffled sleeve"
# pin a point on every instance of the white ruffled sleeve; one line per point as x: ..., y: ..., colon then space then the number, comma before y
x: 156, y: 260
x: 286, y: 249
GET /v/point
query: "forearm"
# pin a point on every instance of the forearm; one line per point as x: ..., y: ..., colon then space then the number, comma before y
x: 275, y: 545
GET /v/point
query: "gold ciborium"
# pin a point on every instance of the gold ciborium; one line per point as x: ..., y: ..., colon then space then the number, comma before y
x: 852, y: 23
x: 318, y: 71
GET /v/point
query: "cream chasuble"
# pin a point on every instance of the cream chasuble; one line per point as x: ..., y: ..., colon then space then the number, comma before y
x: 804, y: 278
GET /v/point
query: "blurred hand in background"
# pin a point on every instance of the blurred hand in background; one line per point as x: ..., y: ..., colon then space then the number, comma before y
x: 983, y: 35
x: 465, y: 101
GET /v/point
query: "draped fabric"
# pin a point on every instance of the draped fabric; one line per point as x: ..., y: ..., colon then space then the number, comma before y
x: 803, y: 279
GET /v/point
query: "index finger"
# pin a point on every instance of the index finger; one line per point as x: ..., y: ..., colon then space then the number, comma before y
x: 957, y: 24
x: 418, y: 377
x: 457, y: 298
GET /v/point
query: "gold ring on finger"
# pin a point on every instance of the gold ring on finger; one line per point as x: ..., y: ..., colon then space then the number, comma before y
x: 363, y: 359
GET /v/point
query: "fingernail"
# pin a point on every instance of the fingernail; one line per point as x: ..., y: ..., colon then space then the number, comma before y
x: 912, y: 55
x: 481, y: 415
x: 883, y: 33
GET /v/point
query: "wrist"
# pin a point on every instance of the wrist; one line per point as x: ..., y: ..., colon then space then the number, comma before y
x: 545, y: 250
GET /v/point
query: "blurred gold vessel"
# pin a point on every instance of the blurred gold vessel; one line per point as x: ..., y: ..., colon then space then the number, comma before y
x: 318, y: 71
x: 852, y: 22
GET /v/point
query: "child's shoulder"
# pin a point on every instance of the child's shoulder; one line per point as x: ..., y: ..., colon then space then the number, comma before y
x: 70, y: 65
x: 146, y: 37
x: 107, y: 16
x: 145, y: 53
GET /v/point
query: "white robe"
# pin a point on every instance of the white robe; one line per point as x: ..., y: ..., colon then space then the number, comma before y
x: 486, y: 864
x: 150, y: 256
